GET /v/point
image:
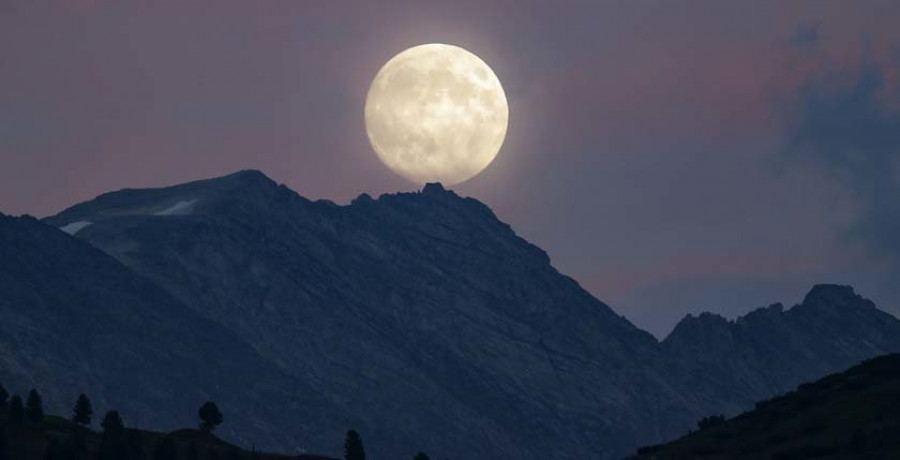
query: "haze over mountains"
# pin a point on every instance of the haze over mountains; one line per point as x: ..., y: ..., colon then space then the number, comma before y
x: 417, y: 318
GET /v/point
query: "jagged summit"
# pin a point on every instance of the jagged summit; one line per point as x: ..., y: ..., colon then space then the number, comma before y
x: 834, y: 294
x: 434, y: 189
x: 247, y: 175
x: 704, y: 322
x: 254, y: 199
x: 244, y: 185
x: 834, y: 298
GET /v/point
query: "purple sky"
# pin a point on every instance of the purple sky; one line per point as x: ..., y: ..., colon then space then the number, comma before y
x: 672, y: 157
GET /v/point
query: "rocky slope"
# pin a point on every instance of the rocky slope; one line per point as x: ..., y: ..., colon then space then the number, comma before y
x: 73, y: 319
x: 430, y: 322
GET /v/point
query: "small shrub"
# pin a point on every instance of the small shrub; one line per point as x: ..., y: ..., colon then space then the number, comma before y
x: 710, y: 421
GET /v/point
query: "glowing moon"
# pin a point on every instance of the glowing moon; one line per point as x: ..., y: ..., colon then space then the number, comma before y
x: 436, y: 113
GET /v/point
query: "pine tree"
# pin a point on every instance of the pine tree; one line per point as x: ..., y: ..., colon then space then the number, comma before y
x: 353, y: 447
x: 113, y: 443
x: 82, y: 411
x: 165, y: 449
x: 710, y: 421
x: 34, y: 407
x: 421, y: 456
x: 210, y: 417
x: 112, y: 425
x: 16, y: 411
x: 4, y: 398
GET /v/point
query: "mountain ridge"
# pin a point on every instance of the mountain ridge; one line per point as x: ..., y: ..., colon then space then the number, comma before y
x: 425, y: 313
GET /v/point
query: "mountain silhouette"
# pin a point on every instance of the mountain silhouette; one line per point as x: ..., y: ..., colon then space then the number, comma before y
x: 74, y: 320
x: 419, y: 318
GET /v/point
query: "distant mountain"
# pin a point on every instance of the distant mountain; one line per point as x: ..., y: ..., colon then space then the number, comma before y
x: 762, y: 354
x: 853, y: 414
x: 433, y: 327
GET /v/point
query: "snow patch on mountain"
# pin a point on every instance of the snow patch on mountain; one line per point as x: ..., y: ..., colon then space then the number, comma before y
x: 182, y: 208
x: 74, y: 227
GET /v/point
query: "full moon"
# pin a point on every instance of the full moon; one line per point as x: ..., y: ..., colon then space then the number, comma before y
x: 436, y: 113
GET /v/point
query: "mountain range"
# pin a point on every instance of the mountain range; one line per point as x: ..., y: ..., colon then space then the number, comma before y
x: 419, y: 319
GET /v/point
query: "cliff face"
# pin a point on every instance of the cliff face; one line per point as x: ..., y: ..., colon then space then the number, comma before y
x: 433, y: 327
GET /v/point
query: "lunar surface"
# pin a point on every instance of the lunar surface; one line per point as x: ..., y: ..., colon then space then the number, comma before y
x: 436, y: 113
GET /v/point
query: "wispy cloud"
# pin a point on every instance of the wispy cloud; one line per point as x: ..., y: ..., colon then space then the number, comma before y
x: 847, y: 120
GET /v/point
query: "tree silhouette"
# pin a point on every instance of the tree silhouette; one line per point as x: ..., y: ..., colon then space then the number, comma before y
x: 710, y: 421
x: 34, y: 407
x: 16, y: 411
x: 83, y: 411
x: 210, y: 417
x: 112, y: 446
x: 112, y: 425
x: 353, y: 447
x: 164, y: 449
x: 4, y: 398
x: 421, y: 456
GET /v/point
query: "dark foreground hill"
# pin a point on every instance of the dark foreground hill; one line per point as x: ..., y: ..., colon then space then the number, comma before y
x: 853, y: 414
x: 419, y: 319
x: 56, y: 438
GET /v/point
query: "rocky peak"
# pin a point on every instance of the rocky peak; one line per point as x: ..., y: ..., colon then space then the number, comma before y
x: 704, y: 320
x: 363, y: 199
x: 703, y: 328
x: 769, y: 314
x: 435, y: 189
x: 247, y: 176
x: 833, y: 294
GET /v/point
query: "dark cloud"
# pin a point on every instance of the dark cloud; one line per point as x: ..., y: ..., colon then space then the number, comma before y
x: 848, y: 121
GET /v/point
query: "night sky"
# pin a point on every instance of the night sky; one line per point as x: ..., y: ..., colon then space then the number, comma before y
x: 672, y: 157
